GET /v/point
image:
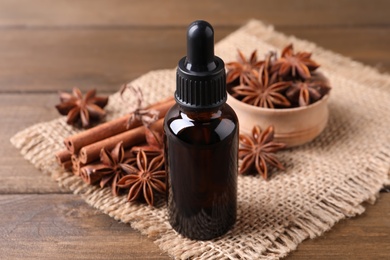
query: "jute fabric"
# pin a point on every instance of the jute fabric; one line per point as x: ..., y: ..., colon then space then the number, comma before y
x: 325, y: 181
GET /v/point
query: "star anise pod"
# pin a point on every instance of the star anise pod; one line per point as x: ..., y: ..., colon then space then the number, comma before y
x: 258, y: 151
x: 263, y: 91
x: 79, y: 108
x: 242, y: 68
x: 146, y: 116
x: 144, y: 179
x: 154, y: 146
x: 114, y: 165
x: 307, y: 92
x: 298, y: 64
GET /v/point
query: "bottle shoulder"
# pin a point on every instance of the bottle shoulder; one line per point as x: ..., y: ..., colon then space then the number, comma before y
x: 201, y: 116
x: 201, y: 127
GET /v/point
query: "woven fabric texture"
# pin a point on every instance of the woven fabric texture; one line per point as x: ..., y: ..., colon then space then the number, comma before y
x: 325, y: 181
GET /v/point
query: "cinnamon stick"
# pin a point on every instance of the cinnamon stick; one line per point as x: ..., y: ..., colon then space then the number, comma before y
x: 157, y: 126
x: 131, y: 137
x: 76, y: 142
x: 88, y: 175
x: 67, y: 165
x: 62, y: 156
x: 76, y: 165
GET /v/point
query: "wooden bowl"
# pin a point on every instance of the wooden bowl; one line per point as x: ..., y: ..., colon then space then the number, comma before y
x: 293, y: 126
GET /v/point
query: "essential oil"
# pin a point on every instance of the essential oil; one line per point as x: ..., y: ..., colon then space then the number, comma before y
x: 201, y: 143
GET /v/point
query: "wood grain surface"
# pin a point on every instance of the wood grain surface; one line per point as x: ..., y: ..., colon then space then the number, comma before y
x: 46, y: 46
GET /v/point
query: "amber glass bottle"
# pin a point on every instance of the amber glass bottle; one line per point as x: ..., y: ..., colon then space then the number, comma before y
x: 201, y: 143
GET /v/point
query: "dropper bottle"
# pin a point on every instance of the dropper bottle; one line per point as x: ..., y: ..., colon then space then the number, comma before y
x: 201, y: 143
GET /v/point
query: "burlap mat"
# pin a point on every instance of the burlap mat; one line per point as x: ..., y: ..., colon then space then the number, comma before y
x: 325, y: 181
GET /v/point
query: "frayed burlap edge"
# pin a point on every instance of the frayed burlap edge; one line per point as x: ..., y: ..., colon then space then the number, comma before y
x: 336, y: 205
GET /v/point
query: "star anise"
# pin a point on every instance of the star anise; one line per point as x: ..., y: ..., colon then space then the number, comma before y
x: 146, y: 116
x: 154, y: 146
x: 114, y: 165
x: 242, y: 68
x: 263, y: 91
x: 306, y: 92
x: 144, y: 179
x: 290, y: 64
x: 79, y: 108
x: 258, y: 151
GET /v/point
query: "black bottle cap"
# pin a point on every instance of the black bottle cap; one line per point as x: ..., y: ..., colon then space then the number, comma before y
x: 201, y: 77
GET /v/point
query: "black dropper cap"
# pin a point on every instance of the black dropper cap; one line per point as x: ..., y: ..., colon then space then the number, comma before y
x: 201, y: 77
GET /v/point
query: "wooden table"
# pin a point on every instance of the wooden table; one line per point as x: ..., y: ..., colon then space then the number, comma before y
x: 46, y: 46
